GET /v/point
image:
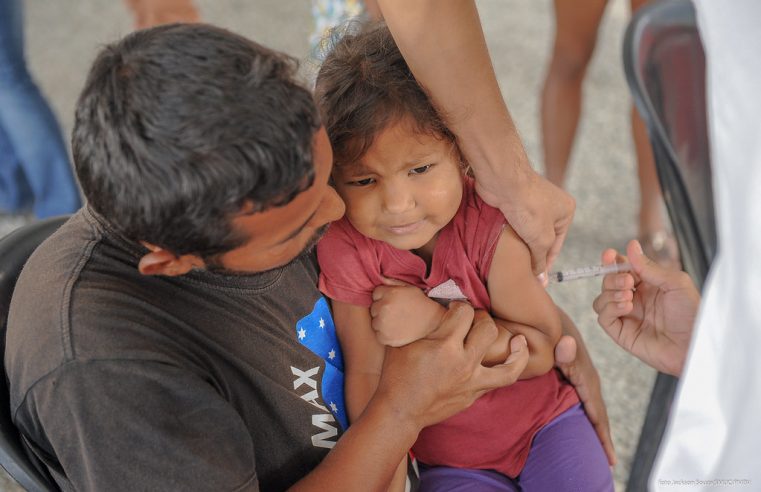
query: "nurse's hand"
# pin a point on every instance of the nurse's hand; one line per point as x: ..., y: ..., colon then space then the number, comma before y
x: 650, y: 312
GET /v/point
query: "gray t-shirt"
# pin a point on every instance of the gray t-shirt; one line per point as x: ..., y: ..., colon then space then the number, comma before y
x: 120, y: 381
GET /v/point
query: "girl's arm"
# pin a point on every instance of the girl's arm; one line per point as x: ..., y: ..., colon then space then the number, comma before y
x: 520, y: 305
x: 363, y: 359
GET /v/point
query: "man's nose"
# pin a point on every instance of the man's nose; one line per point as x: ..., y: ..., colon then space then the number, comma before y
x: 333, y: 206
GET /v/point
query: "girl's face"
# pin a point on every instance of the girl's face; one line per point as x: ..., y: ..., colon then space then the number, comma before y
x: 404, y: 190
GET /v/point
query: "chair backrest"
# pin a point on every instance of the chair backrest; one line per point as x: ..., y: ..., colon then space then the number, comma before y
x: 665, y: 68
x: 15, y: 249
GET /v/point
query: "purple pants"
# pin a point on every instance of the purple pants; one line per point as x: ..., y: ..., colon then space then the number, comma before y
x: 566, y: 456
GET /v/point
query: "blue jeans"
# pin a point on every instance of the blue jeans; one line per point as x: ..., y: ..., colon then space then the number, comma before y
x: 34, y: 165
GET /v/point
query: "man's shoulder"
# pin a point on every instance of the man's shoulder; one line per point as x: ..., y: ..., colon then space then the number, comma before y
x: 39, y: 335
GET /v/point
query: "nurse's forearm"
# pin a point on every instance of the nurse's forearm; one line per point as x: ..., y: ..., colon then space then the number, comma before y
x: 444, y: 45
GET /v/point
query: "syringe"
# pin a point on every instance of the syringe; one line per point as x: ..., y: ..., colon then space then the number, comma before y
x: 587, y: 272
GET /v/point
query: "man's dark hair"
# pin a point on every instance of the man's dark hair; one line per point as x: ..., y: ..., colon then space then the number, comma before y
x: 363, y: 86
x: 180, y: 125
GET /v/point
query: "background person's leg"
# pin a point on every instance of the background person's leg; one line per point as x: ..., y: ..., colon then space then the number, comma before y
x: 576, y: 24
x: 31, y: 129
x: 567, y: 455
x: 15, y: 195
x: 654, y: 233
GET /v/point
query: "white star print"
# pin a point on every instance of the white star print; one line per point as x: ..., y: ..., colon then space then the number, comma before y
x: 333, y: 407
x: 302, y: 333
x: 322, y: 323
x: 332, y: 354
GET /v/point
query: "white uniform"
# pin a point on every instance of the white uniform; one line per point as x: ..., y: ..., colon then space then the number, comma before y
x: 713, y: 441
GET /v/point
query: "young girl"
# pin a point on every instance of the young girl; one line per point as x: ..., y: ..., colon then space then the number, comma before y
x: 412, y: 215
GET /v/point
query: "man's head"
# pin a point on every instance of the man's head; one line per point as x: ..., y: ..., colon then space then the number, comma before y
x: 186, y: 133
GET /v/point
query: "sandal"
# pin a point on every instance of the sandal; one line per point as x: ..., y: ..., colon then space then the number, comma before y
x: 662, y: 248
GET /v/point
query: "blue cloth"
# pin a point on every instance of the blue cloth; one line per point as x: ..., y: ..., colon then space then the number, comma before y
x: 34, y: 165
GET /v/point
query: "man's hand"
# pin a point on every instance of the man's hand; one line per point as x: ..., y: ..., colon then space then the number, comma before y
x: 539, y: 211
x: 401, y: 313
x: 649, y: 312
x: 434, y: 378
x: 577, y: 368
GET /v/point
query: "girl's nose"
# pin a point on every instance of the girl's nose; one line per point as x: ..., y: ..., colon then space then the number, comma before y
x: 397, y: 198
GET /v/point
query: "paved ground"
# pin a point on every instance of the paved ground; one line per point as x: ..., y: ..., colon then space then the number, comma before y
x: 63, y: 37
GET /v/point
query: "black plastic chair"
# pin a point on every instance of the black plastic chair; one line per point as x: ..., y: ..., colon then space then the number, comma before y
x: 665, y: 68
x: 15, y: 249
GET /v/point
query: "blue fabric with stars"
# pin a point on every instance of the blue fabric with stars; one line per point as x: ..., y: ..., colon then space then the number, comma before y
x: 317, y: 332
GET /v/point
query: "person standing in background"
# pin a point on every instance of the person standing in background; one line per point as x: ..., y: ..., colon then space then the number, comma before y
x: 576, y: 26
x: 34, y: 164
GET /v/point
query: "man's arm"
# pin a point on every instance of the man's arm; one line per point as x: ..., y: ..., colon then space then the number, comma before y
x: 444, y: 46
x: 571, y: 355
x: 574, y: 361
x: 421, y: 384
x: 363, y: 362
x: 177, y: 432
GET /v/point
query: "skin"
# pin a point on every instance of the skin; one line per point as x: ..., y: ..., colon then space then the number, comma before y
x: 395, y: 301
x: 289, y: 229
x: 650, y: 312
x: 404, y: 189
x: 444, y: 46
x: 574, y: 361
x: 417, y: 387
x: 149, y: 13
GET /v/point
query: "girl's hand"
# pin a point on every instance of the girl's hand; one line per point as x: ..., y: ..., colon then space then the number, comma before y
x: 401, y: 313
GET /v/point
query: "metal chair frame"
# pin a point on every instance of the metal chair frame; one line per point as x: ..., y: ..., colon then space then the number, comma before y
x: 665, y: 68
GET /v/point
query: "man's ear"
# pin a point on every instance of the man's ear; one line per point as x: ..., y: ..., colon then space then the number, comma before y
x: 160, y: 261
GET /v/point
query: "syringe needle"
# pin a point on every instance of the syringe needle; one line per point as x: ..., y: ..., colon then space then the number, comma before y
x: 588, y: 272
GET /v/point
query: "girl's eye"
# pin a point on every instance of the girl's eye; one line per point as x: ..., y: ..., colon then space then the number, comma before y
x: 362, y: 182
x: 421, y: 169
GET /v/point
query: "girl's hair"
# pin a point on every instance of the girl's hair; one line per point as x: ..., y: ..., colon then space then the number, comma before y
x: 364, y: 86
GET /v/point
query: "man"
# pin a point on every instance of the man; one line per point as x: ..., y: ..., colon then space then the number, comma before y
x: 170, y: 336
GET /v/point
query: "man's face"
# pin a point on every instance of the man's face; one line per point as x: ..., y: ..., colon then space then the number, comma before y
x: 280, y: 234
